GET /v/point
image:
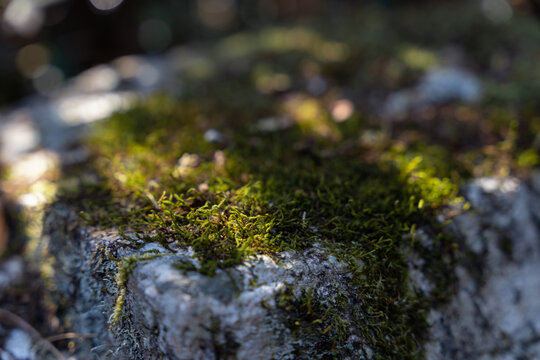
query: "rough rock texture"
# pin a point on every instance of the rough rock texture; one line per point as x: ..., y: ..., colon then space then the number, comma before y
x: 193, y: 316
x: 84, y: 285
x: 171, y: 311
x: 495, y: 312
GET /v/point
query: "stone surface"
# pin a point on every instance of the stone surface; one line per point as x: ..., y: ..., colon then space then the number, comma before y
x: 18, y: 346
x: 11, y: 272
x: 495, y: 311
x: 182, y: 314
x: 437, y: 86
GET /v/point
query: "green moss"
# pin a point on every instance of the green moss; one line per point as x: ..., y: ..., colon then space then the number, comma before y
x: 361, y: 196
x: 314, y: 321
x: 261, y: 193
x: 126, y: 266
x: 528, y: 158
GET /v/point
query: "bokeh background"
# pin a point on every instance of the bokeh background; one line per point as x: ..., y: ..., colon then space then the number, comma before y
x: 43, y: 42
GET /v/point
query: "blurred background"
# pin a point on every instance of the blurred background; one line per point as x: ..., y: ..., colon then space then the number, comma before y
x: 43, y: 42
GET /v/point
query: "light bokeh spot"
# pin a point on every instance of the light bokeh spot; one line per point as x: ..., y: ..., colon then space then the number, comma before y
x: 342, y: 110
x: 498, y: 11
x: 30, y: 58
x: 106, y: 5
x: 25, y: 17
x: 216, y: 13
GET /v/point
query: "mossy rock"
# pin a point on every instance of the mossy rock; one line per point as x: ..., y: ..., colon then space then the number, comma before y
x: 162, y: 184
x: 190, y: 198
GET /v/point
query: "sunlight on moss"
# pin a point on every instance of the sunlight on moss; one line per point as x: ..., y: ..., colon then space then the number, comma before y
x: 341, y: 179
x: 428, y: 172
x: 282, y: 40
x: 418, y: 58
x: 264, y: 192
x: 528, y: 158
x: 311, y: 117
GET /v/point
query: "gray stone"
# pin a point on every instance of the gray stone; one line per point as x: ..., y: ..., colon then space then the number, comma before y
x: 437, y: 86
x: 495, y: 312
x: 181, y: 314
x: 11, y: 273
x: 176, y: 313
x: 18, y: 346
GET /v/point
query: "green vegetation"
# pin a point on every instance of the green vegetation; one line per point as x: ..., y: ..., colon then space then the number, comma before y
x: 260, y: 193
x: 355, y: 186
x: 315, y: 321
x: 125, y: 267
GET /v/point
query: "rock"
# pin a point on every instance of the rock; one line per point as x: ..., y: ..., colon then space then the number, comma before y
x: 55, y: 122
x: 447, y: 84
x: 495, y: 312
x: 11, y: 273
x: 213, y: 136
x: 165, y: 308
x: 316, y: 85
x: 170, y: 310
x: 229, y: 313
x: 436, y: 87
x: 18, y: 346
x: 18, y: 135
x: 274, y: 123
x: 97, y: 79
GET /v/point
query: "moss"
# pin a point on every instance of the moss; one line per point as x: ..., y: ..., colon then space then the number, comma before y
x: 184, y: 266
x: 125, y: 267
x: 317, y: 322
x: 261, y: 193
x: 152, y: 172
